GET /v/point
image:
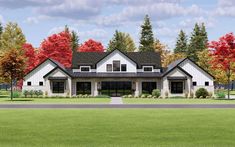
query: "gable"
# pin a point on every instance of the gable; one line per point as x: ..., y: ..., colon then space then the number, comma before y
x: 199, y: 75
x: 116, y: 55
x: 57, y: 72
x: 176, y: 72
x: 37, y: 73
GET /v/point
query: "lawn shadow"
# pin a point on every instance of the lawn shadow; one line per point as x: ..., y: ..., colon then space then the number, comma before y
x: 20, y: 100
x: 225, y: 99
x: 4, y: 96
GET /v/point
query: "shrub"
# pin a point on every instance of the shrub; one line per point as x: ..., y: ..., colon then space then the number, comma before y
x: 124, y: 96
x: 16, y: 94
x: 130, y: 96
x: 186, y: 94
x: 25, y: 93
x: 220, y: 95
x: 136, y: 97
x: 143, y: 96
x: 31, y: 93
x: 149, y: 96
x: 202, y: 92
x: 156, y: 92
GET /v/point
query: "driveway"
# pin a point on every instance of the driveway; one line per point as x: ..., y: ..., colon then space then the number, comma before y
x: 82, y: 106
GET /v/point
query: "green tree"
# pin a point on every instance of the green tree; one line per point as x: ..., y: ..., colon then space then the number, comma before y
x: 1, y: 28
x: 198, y: 41
x: 146, y: 39
x: 12, y: 67
x: 74, y: 41
x: 181, y: 44
x: 12, y: 37
x: 121, y: 41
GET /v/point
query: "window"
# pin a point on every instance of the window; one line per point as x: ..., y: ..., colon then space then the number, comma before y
x: 150, y: 69
x: 148, y: 87
x: 206, y: 83
x: 109, y: 67
x: 40, y: 83
x: 58, y: 87
x: 85, y: 69
x: 28, y: 83
x: 194, y: 83
x: 123, y: 67
x: 116, y: 65
x: 83, y: 88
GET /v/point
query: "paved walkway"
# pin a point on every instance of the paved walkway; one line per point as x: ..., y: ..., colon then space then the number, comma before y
x: 80, y: 106
x: 116, y: 100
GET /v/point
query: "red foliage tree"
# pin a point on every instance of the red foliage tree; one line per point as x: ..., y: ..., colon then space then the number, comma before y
x: 30, y: 56
x: 91, y: 46
x: 57, y: 47
x: 223, y: 52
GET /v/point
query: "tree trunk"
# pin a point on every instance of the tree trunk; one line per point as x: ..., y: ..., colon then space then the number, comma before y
x: 11, y: 89
x: 228, y: 84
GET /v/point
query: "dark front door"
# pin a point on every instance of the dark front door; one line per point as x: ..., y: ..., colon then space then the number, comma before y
x: 84, y: 88
x: 116, y: 88
x: 177, y: 87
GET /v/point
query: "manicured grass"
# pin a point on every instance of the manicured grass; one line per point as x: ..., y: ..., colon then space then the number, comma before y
x: 122, y: 127
x: 55, y: 100
x: 176, y: 101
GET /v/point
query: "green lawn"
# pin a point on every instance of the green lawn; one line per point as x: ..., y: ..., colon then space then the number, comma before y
x: 117, y: 127
x: 55, y: 100
x: 175, y: 101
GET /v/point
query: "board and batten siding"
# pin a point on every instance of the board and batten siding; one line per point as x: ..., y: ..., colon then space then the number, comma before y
x: 116, y: 55
x: 36, y: 76
x: 199, y: 75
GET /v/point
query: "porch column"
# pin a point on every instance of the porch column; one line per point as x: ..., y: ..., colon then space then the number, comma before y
x: 96, y: 89
x: 137, y: 92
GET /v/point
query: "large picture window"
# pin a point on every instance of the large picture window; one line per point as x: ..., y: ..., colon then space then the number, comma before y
x: 116, y: 65
x: 148, y: 87
x: 58, y: 87
x: 83, y: 88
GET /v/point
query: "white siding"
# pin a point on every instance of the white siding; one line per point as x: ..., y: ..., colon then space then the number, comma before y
x: 116, y: 55
x: 36, y: 76
x: 199, y: 76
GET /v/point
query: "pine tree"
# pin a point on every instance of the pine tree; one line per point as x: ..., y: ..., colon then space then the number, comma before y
x: 198, y: 41
x: 121, y: 41
x: 181, y: 44
x: 146, y: 39
x: 74, y: 41
x: 1, y: 28
x: 12, y: 37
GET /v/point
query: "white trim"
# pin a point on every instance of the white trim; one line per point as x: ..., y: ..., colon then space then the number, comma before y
x: 147, y: 67
x: 85, y: 67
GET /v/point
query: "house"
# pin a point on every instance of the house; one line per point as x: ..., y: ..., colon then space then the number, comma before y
x: 117, y: 73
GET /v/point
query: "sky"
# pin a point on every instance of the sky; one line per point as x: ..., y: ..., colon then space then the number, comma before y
x: 98, y: 19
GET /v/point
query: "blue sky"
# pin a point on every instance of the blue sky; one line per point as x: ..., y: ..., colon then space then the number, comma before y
x: 98, y: 19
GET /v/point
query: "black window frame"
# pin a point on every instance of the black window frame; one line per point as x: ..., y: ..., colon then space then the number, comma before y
x: 85, y: 67
x: 108, y: 67
x: 83, y: 88
x: 117, y: 65
x: 194, y: 83
x: 58, y: 87
x: 148, y: 67
x: 29, y: 83
x: 123, y: 67
x: 207, y: 83
x: 148, y: 87
x: 40, y: 83
x: 177, y: 87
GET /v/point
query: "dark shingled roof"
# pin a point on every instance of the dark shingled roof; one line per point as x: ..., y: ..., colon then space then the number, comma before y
x: 92, y: 58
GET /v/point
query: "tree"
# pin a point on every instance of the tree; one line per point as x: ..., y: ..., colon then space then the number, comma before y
x: 74, y: 41
x: 181, y: 44
x: 198, y: 41
x: 91, y: 46
x: 146, y: 39
x: 12, y: 67
x: 121, y: 41
x: 161, y: 49
x: 31, y: 57
x: 12, y: 37
x: 223, y: 52
x: 172, y: 57
x: 57, y: 47
x: 1, y: 28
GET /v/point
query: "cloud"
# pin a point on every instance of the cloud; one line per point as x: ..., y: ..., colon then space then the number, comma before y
x: 190, y: 22
x: 14, y: 4
x: 37, y: 19
x: 96, y: 34
x: 2, y: 19
x: 225, y: 8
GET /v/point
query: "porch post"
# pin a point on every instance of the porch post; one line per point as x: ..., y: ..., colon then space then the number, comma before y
x: 137, y: 92
x: 96, y: 88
